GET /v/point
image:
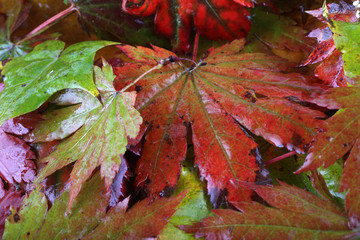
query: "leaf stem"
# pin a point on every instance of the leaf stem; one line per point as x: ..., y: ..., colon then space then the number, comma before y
x: 274, y: 160
x: 141, y: 76
x: 196, y: 45
x: 48, y: 23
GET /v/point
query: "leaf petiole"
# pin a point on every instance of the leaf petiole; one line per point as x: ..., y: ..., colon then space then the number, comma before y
x: 48, y: 23
x: 279, y: 158
x: 160, y: 65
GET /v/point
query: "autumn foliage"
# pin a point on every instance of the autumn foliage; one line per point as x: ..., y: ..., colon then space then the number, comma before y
x: 217, y: 119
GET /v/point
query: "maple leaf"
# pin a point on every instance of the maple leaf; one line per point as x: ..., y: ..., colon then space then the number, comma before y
x: 44, y: 71
x: 36, y: 221
x: 141, y: 221
x: 339, y: 135
x: 216, y: 20
x: 96, y: 143
x: 296, y: 214
x: 16, y: 16
x: 226, y: 89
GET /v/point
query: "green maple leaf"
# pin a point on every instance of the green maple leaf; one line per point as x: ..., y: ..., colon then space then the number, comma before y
x: 101, y: 140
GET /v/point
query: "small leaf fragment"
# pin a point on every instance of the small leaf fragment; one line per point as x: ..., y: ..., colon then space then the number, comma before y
x: 347, y: 40
x: 192, y: 208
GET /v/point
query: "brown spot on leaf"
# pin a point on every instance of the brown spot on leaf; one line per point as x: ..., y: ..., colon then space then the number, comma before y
x: 16, y: 217
x: 297, y: 140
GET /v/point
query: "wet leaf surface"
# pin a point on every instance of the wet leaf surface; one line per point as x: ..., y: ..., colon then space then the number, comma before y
x: 44, y: 71
x: 26, y: 222
x: 295, y: 213
x: 331, y: 70
x: 85, y: 215
x: 213, y: 99
x: 350, y: 181
x: 339, y: 136
x: 16, y: 16
x: 143, y: 220
x: 219, y: 112
x: 16, y: 163
x: 97, y: 143
x: 10, y: 198
x: 346, y: 39
x: 60, y: 123
x: 185, y: 214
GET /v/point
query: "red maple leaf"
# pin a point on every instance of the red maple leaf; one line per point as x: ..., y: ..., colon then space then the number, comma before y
x: 217, y: 20
x: 226, y: 89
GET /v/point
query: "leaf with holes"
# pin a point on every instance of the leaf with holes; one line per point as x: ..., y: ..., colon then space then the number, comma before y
x: 101, y: 140
x: 224, y: 91
x: 216, y: 20
x: 295, y: 213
